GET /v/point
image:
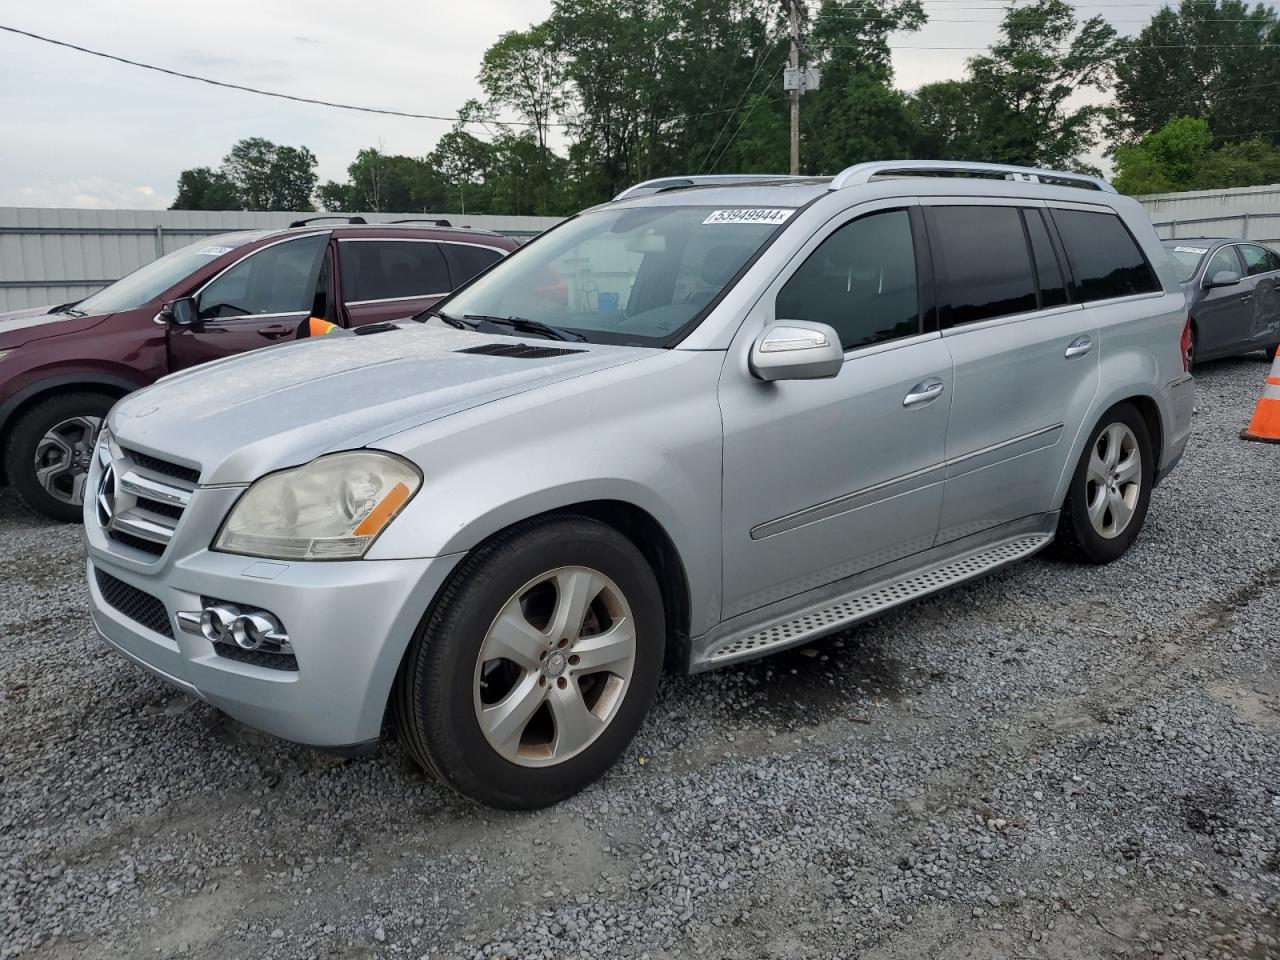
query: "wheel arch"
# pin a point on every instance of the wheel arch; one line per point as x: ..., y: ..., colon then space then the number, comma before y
x: 1148, y: 408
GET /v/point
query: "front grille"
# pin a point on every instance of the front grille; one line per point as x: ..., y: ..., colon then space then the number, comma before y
x: 170, y: 510
x: 163, y: 467
x: 138, y: 605
x: 518, y: 350
x: 137, y: 543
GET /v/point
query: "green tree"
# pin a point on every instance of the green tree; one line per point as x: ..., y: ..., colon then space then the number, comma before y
x: 204, y: 189
x: 1169, y: 159
x: 1207, y: 59
x: 269, y: 176
x: 949, y: 121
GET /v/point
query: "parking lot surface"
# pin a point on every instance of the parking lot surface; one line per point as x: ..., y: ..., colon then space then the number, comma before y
x: 1055, y: 761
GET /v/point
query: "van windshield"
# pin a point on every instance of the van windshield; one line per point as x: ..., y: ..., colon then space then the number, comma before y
x: 632, y: 276
x: 147, y: 283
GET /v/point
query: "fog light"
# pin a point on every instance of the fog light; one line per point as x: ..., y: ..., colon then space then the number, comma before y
x: 251, y: 630
x: 248, y: 629
x: 216, y: 622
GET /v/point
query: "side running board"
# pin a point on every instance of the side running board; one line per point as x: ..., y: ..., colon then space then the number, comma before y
x: 868, y: 601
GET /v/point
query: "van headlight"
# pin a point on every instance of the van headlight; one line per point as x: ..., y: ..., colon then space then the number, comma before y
x: 330, y: 509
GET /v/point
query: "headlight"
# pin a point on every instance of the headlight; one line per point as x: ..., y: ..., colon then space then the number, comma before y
x: 331, y: 509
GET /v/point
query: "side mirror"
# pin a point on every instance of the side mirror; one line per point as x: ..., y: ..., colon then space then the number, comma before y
x: 181, y: 312
x: 797, y: 350
x: 1223, y: 278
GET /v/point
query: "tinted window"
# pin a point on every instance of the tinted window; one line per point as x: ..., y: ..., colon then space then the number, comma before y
x: 861, y: 281
x: 1053, y: 289
x: 1257, y: 259
x: 1105, y: 259
x: 1224, y: 259
x: 276, y: 279
x: 985, y: 262
x: 466, y: 260
x: 391, y: 269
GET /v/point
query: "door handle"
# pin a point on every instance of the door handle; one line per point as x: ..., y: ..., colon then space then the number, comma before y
x: 922, y: 393
x: 1246, y: 297
x: 275, y: 331
x: 1078, y: 347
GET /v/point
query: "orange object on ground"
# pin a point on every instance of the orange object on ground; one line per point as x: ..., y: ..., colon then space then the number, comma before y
x: 318, y: 328
x: 1265, y: 425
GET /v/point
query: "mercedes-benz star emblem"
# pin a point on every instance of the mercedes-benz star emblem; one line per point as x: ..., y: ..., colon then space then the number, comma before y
x: 107, y: 495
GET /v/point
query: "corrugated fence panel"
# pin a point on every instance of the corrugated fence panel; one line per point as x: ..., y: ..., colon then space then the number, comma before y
x: 50, y: 256
x: 1252, y: 213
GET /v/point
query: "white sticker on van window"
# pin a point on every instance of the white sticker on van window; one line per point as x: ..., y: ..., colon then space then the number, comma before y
x: 212, y: 251
x: 1190, y: 249
x: 751, y: 215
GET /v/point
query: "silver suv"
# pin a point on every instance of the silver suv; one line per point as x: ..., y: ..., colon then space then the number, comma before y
x: 714, y: 418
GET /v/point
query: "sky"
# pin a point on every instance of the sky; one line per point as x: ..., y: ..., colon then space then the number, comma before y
x: 86, y: 132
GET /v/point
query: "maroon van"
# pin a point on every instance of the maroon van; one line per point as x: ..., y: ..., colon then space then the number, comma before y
x: 62, y: 368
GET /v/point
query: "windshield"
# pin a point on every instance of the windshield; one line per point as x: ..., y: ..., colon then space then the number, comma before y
x: 632, y: 276
x: 1186, y: 257
x: 157, y: 276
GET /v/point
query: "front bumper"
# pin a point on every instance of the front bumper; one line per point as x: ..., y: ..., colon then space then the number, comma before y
x: 349, y: 624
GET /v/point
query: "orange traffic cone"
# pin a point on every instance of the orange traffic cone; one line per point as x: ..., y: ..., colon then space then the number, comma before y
x: 1265, y: 425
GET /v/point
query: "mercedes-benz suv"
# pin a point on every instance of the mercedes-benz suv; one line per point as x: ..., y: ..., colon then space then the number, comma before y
x: 711, y: 419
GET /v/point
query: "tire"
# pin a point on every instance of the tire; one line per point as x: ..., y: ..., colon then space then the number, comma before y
x: 1270, y: 352
x: 1087, y: 538
x: 1194, y: 352
x: 446, y: 684
x: 73, y: 419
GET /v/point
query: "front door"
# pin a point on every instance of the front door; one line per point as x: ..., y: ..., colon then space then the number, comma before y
x: 263, y: 299
x: 1223, y: 315
x: 826, y: 478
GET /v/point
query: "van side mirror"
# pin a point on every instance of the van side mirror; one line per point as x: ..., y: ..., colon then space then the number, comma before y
x: 1223, y: 278
x: 181, y: 312
x: 797, y: 350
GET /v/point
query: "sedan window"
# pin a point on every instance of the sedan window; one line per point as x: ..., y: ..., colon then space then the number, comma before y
x: 1256, y: 259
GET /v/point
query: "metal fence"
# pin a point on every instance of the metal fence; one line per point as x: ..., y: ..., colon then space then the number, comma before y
x: 53, y: 255
x: 1251, y: 213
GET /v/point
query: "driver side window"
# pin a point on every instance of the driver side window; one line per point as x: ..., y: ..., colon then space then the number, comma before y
x: 1224, y: 259
x: 277, y: 279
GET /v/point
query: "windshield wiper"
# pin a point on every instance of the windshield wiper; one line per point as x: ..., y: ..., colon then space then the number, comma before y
x: 529, y: 326
x: 447, y: 318
x: 69, y: 309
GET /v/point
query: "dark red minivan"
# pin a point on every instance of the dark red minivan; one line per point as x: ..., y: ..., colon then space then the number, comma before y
x: 62, y: 368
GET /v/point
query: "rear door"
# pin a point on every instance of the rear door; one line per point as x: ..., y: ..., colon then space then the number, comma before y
x: 1026, y: 360
x: 259, y: 300
x: 388, y: 278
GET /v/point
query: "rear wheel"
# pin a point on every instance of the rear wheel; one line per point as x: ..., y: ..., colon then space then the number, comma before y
x: 1271, y: 351
x: 49, y: 451
x: 536, y: 666
x: 1107, y: 501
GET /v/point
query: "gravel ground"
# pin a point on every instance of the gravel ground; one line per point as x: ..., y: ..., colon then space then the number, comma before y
x: 1051, y: 762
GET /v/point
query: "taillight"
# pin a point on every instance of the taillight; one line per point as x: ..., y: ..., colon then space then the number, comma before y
x: 1186, y: 345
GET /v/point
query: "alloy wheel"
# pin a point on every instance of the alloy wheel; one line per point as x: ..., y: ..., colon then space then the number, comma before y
x: 63, y: 456
x: 1113, y: 481
x: 554, y: 666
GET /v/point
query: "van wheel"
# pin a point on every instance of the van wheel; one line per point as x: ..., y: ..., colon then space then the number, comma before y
x: 535, y: 667
x: 1106, y: 504
x: 49, y: 450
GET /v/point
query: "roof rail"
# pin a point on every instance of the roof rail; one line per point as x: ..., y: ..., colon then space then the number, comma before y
x: 438, y: 223
x: 701, y: 180
x: 331, y: 216
x: 866, y: 172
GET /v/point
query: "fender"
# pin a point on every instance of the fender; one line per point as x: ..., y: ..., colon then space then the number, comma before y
x: 50, y: 384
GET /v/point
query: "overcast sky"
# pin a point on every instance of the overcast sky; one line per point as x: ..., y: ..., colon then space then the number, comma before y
x: 85, y: 132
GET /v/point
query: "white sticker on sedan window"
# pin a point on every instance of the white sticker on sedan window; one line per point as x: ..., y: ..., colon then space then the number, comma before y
x: 750, y: 215
x: 1190, y: 249
x: 212, y: 251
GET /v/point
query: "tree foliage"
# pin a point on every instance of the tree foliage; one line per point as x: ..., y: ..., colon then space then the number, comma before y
x: 1181, y: 156
x: 204, y: 189
x: 255, y: 175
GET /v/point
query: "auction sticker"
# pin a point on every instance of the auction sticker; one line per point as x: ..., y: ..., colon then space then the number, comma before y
x: 1190, y: 249
x: 749, y: 215
x: 212, y: 251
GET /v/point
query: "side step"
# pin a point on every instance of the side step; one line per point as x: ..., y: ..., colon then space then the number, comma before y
x: 868, y: 601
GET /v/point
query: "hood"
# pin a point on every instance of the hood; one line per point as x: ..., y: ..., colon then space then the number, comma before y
x: 245, y: 416
x: 35, y: 323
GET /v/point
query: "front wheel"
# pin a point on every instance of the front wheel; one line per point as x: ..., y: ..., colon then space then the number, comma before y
x: 49, y: 451
x: 1107, y: 501
x: 536, y: 666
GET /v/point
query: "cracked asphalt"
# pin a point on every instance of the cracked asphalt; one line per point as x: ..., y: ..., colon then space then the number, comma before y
x: 1054, y: 761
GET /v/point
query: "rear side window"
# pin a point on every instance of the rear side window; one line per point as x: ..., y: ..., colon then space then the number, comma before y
x: 1053, y: 288
x: 1104, y: 257
x: 984, y: 261
x: 466, y: 260
x: 1258, y: 259
x: 391, y: 270
x: 861, y: 281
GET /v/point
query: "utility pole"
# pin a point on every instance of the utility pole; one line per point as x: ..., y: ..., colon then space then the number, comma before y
x: 793, y: 15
